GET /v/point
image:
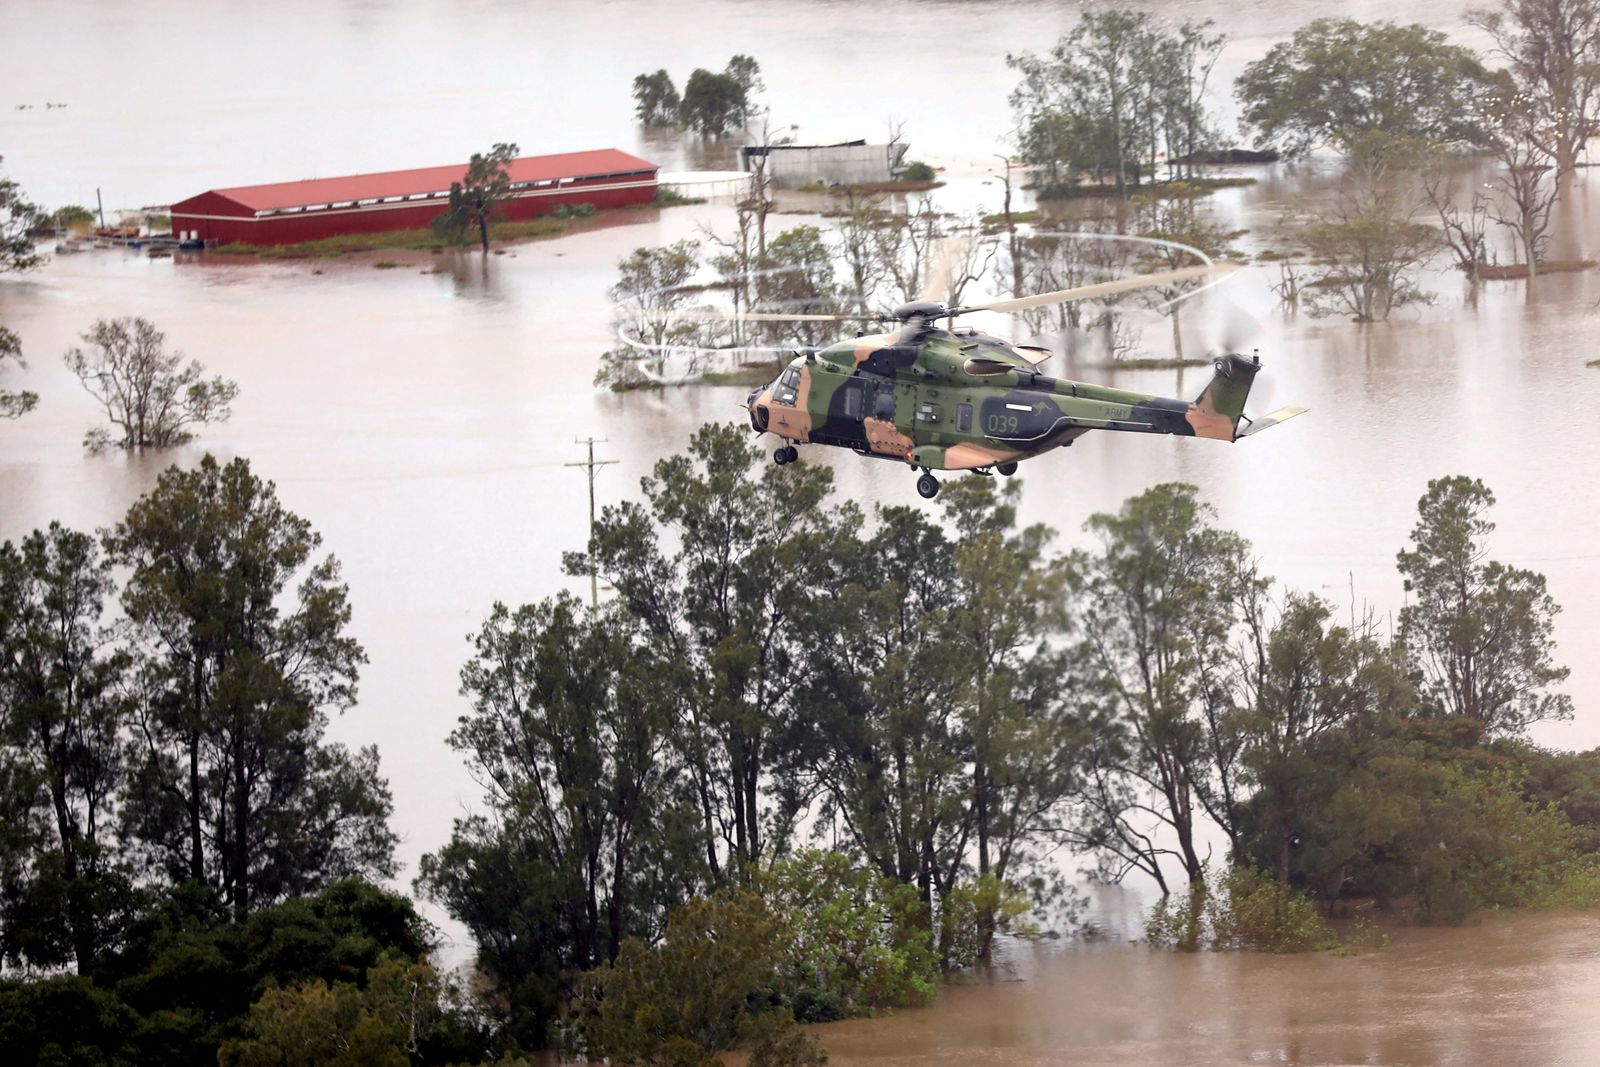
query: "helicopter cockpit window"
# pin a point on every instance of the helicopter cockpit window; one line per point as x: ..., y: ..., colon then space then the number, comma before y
x: 788, y: 386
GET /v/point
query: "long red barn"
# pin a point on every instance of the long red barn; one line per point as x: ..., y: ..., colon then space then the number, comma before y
x: 287, y: 212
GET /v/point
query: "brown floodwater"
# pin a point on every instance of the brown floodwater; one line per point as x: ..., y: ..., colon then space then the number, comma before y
x: 421, y: 418
x: 1513, y: 989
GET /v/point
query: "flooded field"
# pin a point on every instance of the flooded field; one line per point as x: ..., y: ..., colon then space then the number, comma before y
x: 420, y: 418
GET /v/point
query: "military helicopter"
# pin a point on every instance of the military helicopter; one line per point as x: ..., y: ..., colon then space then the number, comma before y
x: 959, y: 399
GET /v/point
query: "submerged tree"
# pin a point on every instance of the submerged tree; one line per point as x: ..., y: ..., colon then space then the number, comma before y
x: 1161, y: 594
x: 655, y: 99
x: 1338, y: 80
x: 652, y: 285
x: 1367, y: 239
x: 715, y: 582
x: 1112, y: 96
x: 150, y: 396
x: 476, y: 199
x: 714, y: 103
x: 1552, y: 51
x: 14, y: 405
x: 241, y: 645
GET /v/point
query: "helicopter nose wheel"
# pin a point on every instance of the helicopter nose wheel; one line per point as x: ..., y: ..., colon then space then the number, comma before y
x: 928, y: 486
x: 786, y: 454
x: 1007, y: 469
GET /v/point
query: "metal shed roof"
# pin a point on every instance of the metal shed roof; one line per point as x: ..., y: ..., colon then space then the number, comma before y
x: 427, y: 180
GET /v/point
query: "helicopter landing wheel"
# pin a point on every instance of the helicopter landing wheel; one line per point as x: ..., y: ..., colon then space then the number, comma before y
x: 1008, y: 469
x: 928, y: 486
x: 786, y: 454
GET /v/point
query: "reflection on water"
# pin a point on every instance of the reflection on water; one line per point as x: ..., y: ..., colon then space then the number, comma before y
x: 420, y: 418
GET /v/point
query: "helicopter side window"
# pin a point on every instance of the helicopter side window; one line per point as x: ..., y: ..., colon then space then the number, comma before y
x: 852, y: 400
x: 963, y: 418
x: 788, y: 387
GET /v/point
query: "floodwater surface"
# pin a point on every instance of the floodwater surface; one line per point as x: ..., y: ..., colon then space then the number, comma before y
x: 423, y: 418
x: 1515, y: 989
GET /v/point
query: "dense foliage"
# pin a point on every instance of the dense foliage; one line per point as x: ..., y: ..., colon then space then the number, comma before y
x: 1337, y: 79
x: 712, y: 103
x: 185, y: 745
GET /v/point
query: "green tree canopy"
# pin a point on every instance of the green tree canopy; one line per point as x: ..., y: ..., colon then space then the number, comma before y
x: 655, y: 99
x: 1113, y: 95
x: 476, y: 199
x: 1478, y: 632
x: 242, y: 648
x: 592, y: 831
x: 1337, y: 79
x: 710, y: 986
x: 714, y: 103
x: 63, y: 705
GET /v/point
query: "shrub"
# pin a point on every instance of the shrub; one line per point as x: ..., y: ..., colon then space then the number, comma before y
x: 1244, y: 909
x: 854, y: 939
x: 973, y: 912
x: 916, y: 171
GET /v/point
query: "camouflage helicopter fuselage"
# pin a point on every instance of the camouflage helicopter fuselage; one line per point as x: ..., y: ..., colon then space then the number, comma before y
x: 963, y: 400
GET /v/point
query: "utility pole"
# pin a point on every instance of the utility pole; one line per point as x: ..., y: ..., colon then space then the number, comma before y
x: 590, y: 464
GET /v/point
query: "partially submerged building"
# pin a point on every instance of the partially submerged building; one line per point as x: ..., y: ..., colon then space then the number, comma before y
x: 287, y: 212
x: 846, y: 163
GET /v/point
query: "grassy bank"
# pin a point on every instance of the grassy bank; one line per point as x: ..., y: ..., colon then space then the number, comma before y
x: 421, y: 240
x: 1515, y: 271
x: 1173, y: 190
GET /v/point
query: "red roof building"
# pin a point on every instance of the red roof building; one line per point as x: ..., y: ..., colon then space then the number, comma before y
x: 288, y: 212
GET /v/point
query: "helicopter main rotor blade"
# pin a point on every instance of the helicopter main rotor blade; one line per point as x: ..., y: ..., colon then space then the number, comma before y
x: 701, y: 315
x: 1089, y: 292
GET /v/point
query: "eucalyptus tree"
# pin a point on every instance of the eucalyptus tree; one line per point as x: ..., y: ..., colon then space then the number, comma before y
x: 1552, y: 54
x: 655, y: 99
x: 876, y: 746
x: 588, y: 836
x: 712, y: 565
x: 1478, y: 632
x: 1115, y: 94
x: 1367, y: 241
x: 1158, y: 592
x: 242, y: 647
x: 476, y: 199
x: 63, y: 706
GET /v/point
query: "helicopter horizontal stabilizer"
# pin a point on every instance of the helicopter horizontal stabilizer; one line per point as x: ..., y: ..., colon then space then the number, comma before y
x: 1266, y: 422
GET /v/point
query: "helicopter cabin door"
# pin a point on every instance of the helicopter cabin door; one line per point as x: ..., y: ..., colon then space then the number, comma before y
x: 787, y: 414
